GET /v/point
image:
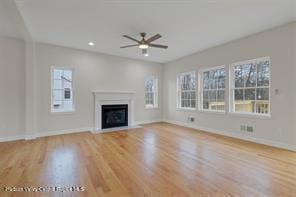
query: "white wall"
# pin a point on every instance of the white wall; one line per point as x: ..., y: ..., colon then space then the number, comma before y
x: 294, y: 61
x: 25, y: 86
x: 12, y: 87
x: 276, y: 43
x: 11, y: 22
x: 92, y: 71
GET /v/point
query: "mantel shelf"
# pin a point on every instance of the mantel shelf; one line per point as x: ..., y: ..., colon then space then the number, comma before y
x: 113, y: 92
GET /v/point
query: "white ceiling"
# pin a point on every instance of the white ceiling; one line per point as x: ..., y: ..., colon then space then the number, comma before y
x: 10, y: 20
x: 187, y: 26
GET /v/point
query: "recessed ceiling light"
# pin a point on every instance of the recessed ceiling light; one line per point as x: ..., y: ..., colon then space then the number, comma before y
x: 146, y: 54
x: 91, y: 44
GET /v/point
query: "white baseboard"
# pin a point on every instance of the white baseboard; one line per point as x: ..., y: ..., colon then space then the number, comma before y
x: 30, y: 137
x: 235, y: 135
x: 65, y: 131
x: 59, y: 132
x: 211, y: 130
x: 68, y: 131
x: 147, y: 121
x: 44, y: 134
x: 12, y: 138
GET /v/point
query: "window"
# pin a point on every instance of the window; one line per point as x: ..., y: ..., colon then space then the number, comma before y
x: 151, y: 92
x: 62, y: 90
x: 186, y: 85
x: 213, y: 89
x: 251, y: 86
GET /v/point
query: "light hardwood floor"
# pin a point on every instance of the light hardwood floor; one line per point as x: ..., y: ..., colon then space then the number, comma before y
x: 156, y: 160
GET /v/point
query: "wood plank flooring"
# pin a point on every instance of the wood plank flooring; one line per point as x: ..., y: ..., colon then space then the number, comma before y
x: 157, y: 160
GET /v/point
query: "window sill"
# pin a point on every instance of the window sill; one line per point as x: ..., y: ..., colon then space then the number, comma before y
x: 62, y: 112
x: 186, y: 109
x: 150, y: 107
x: 249, y: 115
x: 212, y: 112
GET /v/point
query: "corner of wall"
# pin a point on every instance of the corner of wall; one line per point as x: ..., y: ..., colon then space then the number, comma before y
x: 30, y: 77
x: 294, y: 73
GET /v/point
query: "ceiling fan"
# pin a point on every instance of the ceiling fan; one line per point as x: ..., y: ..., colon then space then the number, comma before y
x: 144, y: 44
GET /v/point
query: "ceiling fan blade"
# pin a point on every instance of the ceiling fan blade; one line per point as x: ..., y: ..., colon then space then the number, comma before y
x: 158, y: 46
x: 133, y: 45
x: 133, y: 39
x: 155, y: 37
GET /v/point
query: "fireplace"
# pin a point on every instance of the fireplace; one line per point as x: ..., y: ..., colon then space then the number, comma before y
x: 114, y: 116
x: 103, y: 98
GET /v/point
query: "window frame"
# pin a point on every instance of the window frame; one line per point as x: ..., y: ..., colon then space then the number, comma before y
x: 200, y: 90
x: 52, y: 111
x: 179, y: 94
x: 155, y: 93
x: 232, y: 88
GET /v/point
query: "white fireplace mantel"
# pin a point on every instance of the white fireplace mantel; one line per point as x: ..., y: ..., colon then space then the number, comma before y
x: 113, y: 98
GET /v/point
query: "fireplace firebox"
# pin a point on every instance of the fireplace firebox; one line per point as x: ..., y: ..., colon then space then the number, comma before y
x: 114, y: 116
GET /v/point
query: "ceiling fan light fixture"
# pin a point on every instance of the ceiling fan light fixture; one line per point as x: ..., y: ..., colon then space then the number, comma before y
x: 143, y: 46
x: 144, y: 43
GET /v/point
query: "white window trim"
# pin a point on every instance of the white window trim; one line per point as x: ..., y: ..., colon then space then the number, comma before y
x: 178, y: 107
x: 200, y: 91
x: 51, y: 88
x: 155, y: 106
x: 231, y: 90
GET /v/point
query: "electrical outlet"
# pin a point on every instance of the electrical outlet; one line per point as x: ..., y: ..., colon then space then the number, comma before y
x: 243, y: 127
x: 250, y: 129
x: 246, y: 128
x: 191, y: 119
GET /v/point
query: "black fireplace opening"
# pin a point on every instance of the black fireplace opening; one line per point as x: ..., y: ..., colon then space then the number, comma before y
x: 114, y: 116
